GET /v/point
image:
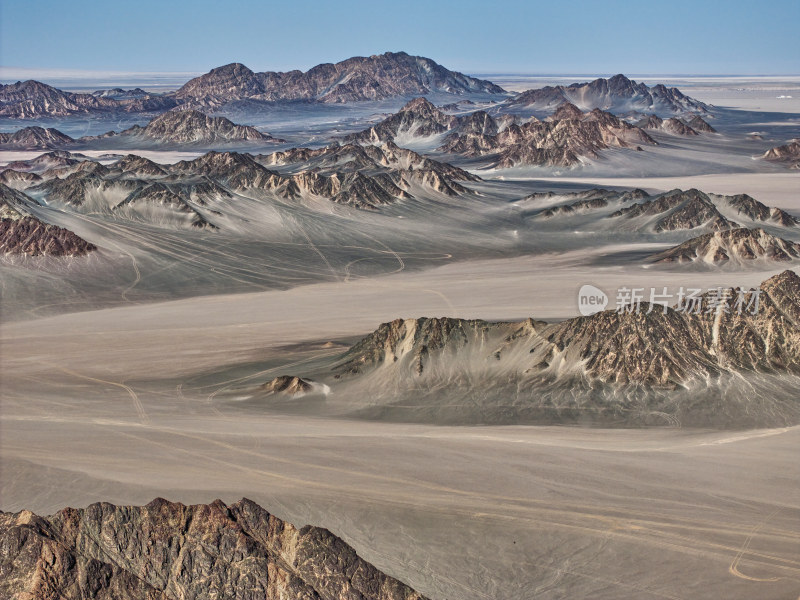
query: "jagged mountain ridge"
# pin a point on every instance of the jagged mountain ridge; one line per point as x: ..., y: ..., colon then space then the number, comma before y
x: 657, y: 364
x: 733, y: 244
x: 617, y: 94
x: 169, y: 551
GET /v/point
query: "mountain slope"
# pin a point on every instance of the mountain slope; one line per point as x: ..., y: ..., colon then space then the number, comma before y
x: 168, y: 551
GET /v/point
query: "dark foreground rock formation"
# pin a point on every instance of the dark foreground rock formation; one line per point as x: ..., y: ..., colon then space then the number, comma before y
x: 168, y: 551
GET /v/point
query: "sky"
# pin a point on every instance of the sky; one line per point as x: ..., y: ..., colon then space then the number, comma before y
x: 518, y: 36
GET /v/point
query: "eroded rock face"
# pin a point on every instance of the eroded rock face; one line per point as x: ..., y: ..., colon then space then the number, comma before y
x: 168, y: 551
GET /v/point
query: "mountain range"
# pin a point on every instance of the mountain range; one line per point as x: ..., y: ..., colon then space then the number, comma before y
x: 353, y: 80
x: 357, y: 79
x: 185, y: 128
x: 169, y: 551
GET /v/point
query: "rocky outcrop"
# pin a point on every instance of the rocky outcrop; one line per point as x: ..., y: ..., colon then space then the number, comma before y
x: 735, y: 244
x: 788, y: 154
x: 352, y: 80
x: 169, y: 551
x: 617, y: 94
x: 288, y: 385
x: 35, y: 138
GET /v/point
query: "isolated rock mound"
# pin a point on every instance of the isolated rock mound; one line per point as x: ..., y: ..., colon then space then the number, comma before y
x: 168, y: 551
x: 288, y: 385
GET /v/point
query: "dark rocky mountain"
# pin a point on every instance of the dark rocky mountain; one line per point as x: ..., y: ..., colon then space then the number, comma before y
x: 24, y: 234
x: 678, y: 209
x: 168, y: 551
x: 186, y: 128
x: 617, y: 94
x: 788, y: 154
x: 734, y: 244
x: 643, y: 365
x: 33, y: 99
x: 355, y: 79
x: 35, y: 138
x: 562, y: 140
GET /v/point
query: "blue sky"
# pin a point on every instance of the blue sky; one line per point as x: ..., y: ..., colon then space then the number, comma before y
x: 578, y: 37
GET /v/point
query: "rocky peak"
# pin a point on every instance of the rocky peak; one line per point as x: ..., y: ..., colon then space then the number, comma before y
x: 169, y: 551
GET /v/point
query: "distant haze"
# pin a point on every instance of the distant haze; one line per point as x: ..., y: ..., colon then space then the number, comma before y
x: 712, y: 37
